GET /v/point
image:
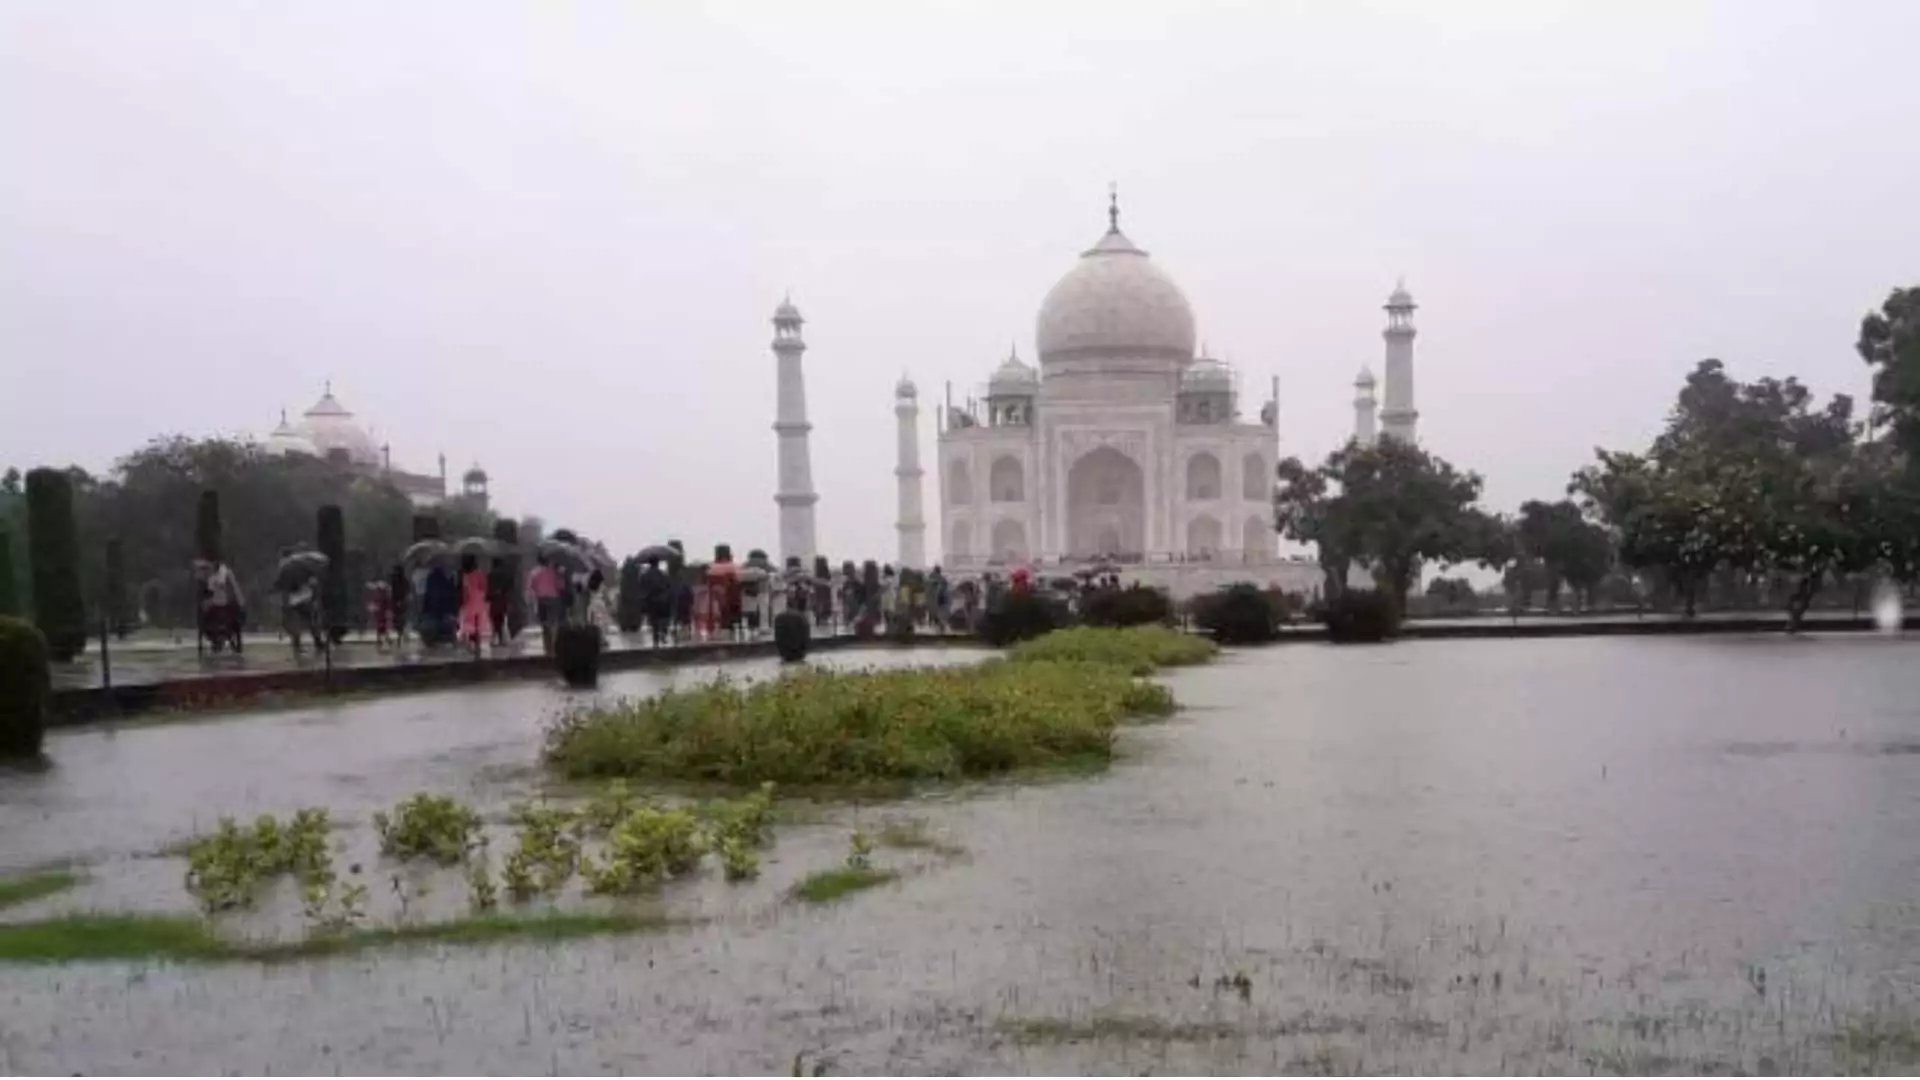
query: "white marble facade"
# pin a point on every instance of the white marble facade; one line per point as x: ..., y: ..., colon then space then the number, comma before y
x: 1126, y: 442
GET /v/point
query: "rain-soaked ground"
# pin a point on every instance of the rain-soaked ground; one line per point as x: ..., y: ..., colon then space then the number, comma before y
x: 1615, y: 854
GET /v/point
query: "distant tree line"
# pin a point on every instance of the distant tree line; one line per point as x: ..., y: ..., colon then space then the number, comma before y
x: 153, y: 510
x: 1753, y: 493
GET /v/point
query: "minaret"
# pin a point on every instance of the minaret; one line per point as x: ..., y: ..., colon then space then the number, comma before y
x: 912, y: 524
x: 1364, y: 407
x: 1397, y: 414
x: 795, y: 494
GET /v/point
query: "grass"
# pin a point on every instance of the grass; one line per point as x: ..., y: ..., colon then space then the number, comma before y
x: 101, y: 936
x: 823, y: 886
x: 23, y: 888
x: 105, y: 936
x: 1141, y: 650
x: 821, y: 729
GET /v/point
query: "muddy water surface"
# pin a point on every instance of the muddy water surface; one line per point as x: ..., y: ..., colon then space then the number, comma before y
x: 1565, y: 856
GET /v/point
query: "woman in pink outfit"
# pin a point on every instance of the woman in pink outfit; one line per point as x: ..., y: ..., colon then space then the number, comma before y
x: 475, y: 622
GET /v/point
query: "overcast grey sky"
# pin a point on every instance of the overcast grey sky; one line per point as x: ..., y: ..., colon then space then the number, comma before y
x: 550, y: 236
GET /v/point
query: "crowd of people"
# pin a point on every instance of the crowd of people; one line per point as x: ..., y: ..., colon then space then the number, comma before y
x: 475, y: 602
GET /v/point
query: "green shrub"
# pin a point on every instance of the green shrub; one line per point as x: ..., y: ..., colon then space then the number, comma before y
x: 330, y: 539
x: 1135, y: 605
x: 650, y: 846
x: 815, y: 726
x: 1020, y: 616
x: 1140, y: 650
x: 1240, y: 614
x: 576, y: 652
x: 26, y: 688
x: 1359, y: 616
x: 437, y: 827
x: 792, y: 634
x: 226, y: 868
x: 425, y: 527
x: 54, y: 552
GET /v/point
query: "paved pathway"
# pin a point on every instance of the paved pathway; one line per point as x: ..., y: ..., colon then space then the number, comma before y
x: 156, y: 658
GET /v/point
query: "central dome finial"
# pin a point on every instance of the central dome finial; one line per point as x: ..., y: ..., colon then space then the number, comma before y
x: 1113, y: 207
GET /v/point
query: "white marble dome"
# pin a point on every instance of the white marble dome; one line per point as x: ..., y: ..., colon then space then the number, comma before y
x: 331, y: 429
x: 1207, y: 373
x: 286, y: 439
x: 1115, y: 302
x: 1013, y: 376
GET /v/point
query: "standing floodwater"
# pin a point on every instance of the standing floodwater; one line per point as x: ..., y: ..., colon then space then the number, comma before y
x: 1570, y: 855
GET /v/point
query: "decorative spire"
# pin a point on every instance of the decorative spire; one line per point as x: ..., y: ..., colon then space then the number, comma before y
x: 1113, y: 207
x: 327, y: 387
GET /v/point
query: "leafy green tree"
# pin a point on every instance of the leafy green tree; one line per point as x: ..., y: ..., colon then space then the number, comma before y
x: 1305, y: 509
x: 1390, y: 504
x: 1566, y: 548
x: 1889, y: 342
x: 1749, y: 477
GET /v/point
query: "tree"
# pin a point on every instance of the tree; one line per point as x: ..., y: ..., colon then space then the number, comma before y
x: 1889, y: 342
x: 1566, y: 547
x: 1304, y: 510
x: 1745, y: 476
x: 1390, y: 504
x: 53, y: 549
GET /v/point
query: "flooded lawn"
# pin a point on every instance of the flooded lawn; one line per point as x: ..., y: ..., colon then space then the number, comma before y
x: 1693, y: 855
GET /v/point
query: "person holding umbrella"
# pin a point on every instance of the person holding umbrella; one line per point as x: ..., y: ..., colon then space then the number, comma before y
x: 543, y: 584
x: 296, y: 581
x: 474, y: 612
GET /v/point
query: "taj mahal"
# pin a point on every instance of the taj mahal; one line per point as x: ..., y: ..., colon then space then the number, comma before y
x: 1127, y: 444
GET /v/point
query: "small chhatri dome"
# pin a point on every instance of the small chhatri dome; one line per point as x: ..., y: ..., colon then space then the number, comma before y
x: 1207, y: 373
x: 1365, y: 377
x: 286, y: 439
x: 1014, y: 375
x: 1400, y: 297
x: 1115, y: 302
x: 905, y: 388
x: 786, y: 312
x: 474, y: 476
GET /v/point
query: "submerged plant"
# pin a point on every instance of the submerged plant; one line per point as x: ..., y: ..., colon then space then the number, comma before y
x: 648, y: 847
x: 836, y: 727
x: 438, y: 827
x: 859, y: 851
x: 547, y: 851
x: 482, y: 893
x: 226, y: 867
x: 1141, y: 650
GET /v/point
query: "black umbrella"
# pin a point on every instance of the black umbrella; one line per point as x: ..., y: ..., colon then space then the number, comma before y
x: 299, y: 568
x: 426, y: 551
x: 564, y: 556
x: 657, y: 553
x: 481, y: 546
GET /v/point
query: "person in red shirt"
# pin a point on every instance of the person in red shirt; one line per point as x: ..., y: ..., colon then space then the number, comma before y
x: 544, y: 584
